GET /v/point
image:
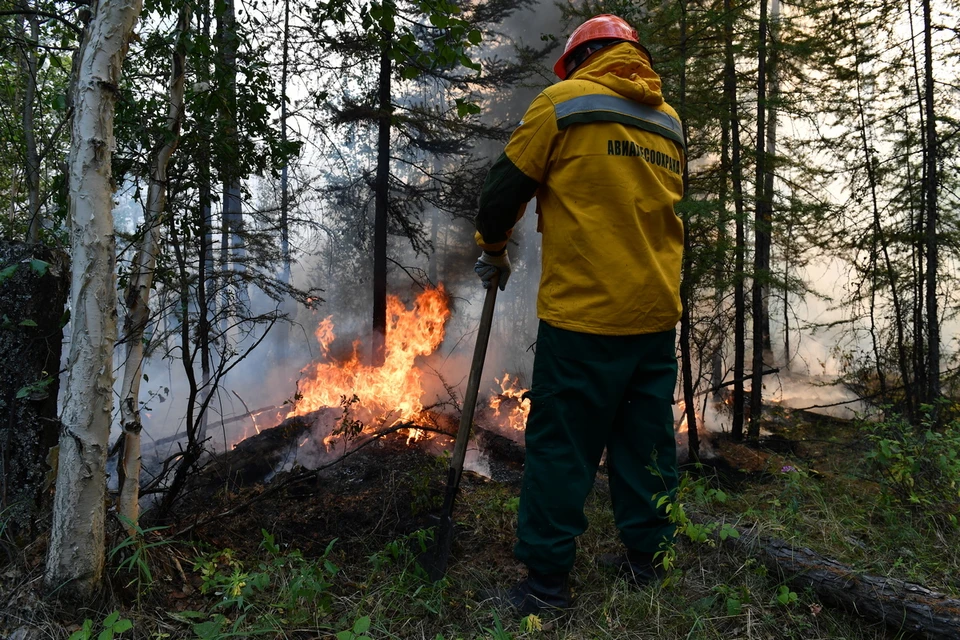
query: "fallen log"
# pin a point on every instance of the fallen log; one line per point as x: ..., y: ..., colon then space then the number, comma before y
x: 902, y: 606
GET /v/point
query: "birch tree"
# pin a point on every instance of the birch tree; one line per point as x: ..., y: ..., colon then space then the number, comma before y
x: 75, y: 555
x: 141, y: 282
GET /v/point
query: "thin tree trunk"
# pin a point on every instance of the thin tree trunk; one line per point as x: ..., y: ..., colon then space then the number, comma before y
x: 739, y: 331
x: 761, y: 235
x: 281, y: 343
x: 919, y: 262
x: 382, y: 204
x: 140, y: 283
x: 231, y: 247
x: 930, y: 231
x: 686, y: 289
x: 432, y: 270
x: 773, y: 95
x: 75, y: 555
x: 29, y: 69
x: 719, y: 265
x: 787, y: 358
x: 194, y: 448
x: 206, y: 280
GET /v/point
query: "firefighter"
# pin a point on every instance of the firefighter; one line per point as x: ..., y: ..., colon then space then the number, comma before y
x: 604, y: 155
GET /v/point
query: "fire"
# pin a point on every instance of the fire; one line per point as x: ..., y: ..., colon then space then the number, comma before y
x: 509, y: 406
x: 682, y: 427
x: 387, y: 394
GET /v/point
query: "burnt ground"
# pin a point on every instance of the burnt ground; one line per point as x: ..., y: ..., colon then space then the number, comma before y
x: 380, y: 494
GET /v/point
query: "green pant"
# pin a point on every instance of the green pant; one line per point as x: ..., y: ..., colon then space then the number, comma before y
x: 592, y: 392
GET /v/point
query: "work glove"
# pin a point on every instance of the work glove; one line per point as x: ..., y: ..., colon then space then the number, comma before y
x: 488, y: 265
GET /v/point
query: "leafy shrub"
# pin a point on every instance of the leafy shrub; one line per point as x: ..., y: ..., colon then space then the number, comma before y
x: 917, y: 466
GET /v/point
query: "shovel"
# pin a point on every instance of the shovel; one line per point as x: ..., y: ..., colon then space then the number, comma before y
x: 434, y: 560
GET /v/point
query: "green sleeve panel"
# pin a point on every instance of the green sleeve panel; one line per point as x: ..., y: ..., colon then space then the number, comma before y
x: 506, y: 191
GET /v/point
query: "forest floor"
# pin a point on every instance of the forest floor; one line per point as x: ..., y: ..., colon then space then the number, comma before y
x: 333, y: 555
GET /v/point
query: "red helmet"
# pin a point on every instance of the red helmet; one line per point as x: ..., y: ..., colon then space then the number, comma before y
x: 602, y: 27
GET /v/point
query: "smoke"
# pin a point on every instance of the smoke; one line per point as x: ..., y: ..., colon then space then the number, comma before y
x: 269, y: 376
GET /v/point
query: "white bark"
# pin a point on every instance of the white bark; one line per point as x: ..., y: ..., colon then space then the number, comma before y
x: 138, y: 289
x: 75, y: 556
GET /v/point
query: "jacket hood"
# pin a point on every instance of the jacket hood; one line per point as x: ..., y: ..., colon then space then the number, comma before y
x: 624, y: 69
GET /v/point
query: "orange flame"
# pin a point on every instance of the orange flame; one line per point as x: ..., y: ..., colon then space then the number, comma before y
x: 387, y: 394
x: 682, y: 409
x: 514, y: 414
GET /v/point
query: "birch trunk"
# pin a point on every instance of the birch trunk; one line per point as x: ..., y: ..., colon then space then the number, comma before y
x: 138, y: 289
x: 75, y: 556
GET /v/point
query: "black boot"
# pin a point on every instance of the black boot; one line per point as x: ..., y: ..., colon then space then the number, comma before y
x: 636, y: 567
x: 538, y: 593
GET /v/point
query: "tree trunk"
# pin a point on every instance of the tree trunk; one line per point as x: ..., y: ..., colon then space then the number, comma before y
x: 140, y: 283
x: 739, y: 330
x: 432, y: 270
x: 930, y: 231
x: 761, y: 251
x: 771, y: 149
x: 75, y: 554
x: 902, y: 606
x: 382, y: 205
x: 231, y: 244
x: 206, y: 280
x: 788, y: 247
x: 718, y: 372
x: 29, y: 68
x: 686, y: 290
x: 32, y: 300
x: 284, y: 328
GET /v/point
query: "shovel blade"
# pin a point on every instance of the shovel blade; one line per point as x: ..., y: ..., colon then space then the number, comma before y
x: 436, y: 558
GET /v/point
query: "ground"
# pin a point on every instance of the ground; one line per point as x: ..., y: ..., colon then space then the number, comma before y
x: 333, y: 555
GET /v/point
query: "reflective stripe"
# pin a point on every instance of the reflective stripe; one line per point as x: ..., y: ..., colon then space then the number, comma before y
x: 604, y: 108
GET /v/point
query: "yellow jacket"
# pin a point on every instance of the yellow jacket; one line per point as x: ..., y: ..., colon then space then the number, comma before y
x: 604, y: 155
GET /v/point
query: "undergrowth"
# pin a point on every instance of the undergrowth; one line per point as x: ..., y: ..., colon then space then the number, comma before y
x: 713, y: 590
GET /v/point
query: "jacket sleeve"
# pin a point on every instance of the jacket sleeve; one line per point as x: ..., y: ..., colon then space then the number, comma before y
x: 514, y: 177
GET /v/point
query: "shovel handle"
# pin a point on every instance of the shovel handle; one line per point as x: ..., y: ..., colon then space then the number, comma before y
x: 470, y: 398
x: 435, y: 562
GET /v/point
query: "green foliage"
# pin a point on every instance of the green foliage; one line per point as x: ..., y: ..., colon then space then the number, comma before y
x: 358, y: 631
x: 698, y: 490
x: 113, y: 625
x: 283, y: 588
x: 674, y: 508
x: 133, y: 553
x: 424, y: 495
x: 348, y: 426
x: 785, y: 596
x: 733, y: 598
x: 7, y: 272
x: 917, y: 466
x: 35, y: 390
x: 498, y: 632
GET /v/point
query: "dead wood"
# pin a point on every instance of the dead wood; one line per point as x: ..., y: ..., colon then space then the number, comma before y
x: 902, y: 606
